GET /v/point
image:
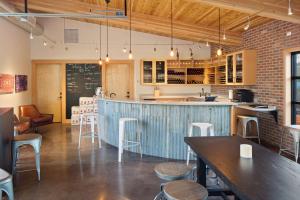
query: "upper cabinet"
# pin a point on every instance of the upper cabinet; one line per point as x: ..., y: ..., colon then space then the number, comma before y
x: 241, y: 68
x: 153, y: 72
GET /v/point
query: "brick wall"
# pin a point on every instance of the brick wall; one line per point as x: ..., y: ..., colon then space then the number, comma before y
x: 269, y: 40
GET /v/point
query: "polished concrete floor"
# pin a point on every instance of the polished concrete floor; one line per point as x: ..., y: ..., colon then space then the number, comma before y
x: 88, y: 174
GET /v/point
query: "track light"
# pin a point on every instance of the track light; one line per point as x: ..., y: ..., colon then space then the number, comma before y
x: 247, y: 25
x: 224, y: 35
x: 207, y: 44
x: 45, y: 43
x: 290, y: 12
x: 31, y: 36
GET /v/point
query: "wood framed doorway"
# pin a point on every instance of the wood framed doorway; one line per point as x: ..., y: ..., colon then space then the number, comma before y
x: 37, y: 84
x: 118, y: 79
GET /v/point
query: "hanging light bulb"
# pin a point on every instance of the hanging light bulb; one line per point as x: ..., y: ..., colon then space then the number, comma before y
x: 107, y: 58
x: 247, y: 25
x: 100, y: 61
x: 219, y: 52
x: 290, y: 12
x: 172, y: 49
x: 172, y: 52
x: 100, y: 44
x: 130, y: 56
x: 124, y: 50
x: 207, y: 44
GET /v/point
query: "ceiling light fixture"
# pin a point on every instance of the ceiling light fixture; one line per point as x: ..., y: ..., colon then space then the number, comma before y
x: 124, y: 50
x: 219, y: 51
x: 290, y: 12
x: 100, y: 44
x: 31, y: 35
x: 224, y: 35
x: 248, y: 24
x: 45, y: 43
x: 107, y: 57
x: 172, y: 49
x: 207, y: 44
x: 130, y: 51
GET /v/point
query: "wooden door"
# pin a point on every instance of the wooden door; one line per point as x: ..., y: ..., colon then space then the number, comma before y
x: 119, y: 80
x: 48, y: 94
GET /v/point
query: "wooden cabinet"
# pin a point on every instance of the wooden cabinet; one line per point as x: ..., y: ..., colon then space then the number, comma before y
x: 153, y: 72
x: 241, y: 68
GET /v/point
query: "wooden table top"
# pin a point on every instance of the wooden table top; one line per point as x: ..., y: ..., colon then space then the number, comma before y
x: 267, y: 176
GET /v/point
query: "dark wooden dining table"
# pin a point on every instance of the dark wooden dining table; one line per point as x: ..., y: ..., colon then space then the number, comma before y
x: 265, y: 176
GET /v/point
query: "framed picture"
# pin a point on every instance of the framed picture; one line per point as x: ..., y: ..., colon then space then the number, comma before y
x: 6, y: 84
x: 21, y: 83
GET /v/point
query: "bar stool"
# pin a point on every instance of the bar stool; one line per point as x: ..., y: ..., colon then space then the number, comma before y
x: 172, y: 171
x: 243, y: 120
x: 185, y: 190
x: 6, y: 184
x: 34, y: 140
x: 294, y: 130
x: 205, y: 128
x: 123, y: 143
x: 89, y: 117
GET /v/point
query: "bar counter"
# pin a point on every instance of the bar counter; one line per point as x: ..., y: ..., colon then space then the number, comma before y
x: 164, y: 123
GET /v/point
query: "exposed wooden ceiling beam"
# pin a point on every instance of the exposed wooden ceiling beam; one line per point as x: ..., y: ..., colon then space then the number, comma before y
x: 140, y: 22
x: 254, y: 7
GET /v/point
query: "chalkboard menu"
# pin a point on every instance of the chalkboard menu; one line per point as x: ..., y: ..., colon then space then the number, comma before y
x: 81, y: 81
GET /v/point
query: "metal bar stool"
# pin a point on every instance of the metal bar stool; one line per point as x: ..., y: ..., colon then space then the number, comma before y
x: 205, y: 128
x: 294, y: 130
x: 89, y: 118
x: 34, y: 140
x: 123, y: 143
x: 6, y: 184
x: 243, y: 121
x: 185, y: 190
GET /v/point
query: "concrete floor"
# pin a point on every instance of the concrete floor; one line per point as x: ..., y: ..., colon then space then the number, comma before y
x: 88, y: 174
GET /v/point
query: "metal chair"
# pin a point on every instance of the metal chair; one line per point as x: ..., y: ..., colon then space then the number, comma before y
x: 244, y: 120
x: 123, y: 143
x: 34, y: 140
x: 6, y: 185
x: 294, y: 130
x: 89, y: 117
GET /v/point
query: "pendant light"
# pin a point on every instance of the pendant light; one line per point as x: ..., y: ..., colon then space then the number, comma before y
x: 100, y: 44
x: 248, y: 24
x: 172, y: 49
x: 219, y: 51
x: 107, y: 57
x: 290, y: 12
x: 130, y: 51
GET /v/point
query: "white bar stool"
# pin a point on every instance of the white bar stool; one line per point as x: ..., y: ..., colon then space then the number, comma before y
x: 294, y: 130
x: 243, y: 121
x: 6, y: 185
x: 205, y: 128
x: 89, y: 117
x: 122, y: 141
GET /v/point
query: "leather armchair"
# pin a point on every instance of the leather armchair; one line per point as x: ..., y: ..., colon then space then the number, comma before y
x: 36, y: 118
x: 21, y: 125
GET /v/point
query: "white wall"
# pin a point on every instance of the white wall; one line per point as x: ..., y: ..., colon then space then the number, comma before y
x: 143, y: 45
x: 14, y: 59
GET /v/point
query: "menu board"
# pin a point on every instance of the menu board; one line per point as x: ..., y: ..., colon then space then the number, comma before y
x: 81, y: 81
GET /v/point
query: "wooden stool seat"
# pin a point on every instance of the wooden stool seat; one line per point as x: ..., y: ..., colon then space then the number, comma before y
x: 170, y: 171
x: 185, y: 190
x: 26, y: 137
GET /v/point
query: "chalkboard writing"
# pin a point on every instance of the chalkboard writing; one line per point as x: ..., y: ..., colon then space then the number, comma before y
x: 81, y: 81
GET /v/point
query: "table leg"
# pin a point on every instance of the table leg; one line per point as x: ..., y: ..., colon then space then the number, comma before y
x: 201, y: 172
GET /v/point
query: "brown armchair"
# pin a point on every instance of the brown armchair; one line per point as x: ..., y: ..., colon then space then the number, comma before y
x: 21, y: 125
x: 36, y: 118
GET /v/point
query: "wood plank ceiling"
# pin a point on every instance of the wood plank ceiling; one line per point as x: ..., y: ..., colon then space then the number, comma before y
x: 193, y: 20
